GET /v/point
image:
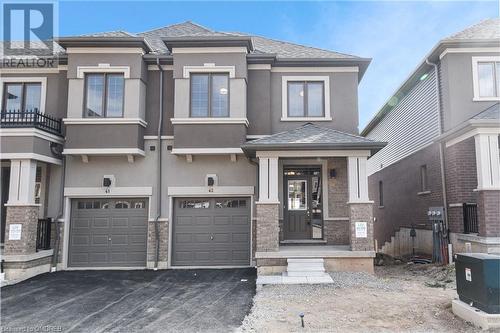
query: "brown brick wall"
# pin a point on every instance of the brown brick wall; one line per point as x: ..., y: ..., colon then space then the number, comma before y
x: 267, y: 227
x: 401, y: 183
x: 361, y: 212
x: 337, y: 232
x: 461, y: 180
x: 338, y: 191
x: 27, y: 216
x: 489, y: 213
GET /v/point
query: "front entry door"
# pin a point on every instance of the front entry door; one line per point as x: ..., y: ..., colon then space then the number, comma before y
x: 303, y: 212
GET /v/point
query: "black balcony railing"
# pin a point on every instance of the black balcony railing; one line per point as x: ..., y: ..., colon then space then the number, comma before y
x: 470, y: 218
x: 36, y: 119
x: 43, y: 234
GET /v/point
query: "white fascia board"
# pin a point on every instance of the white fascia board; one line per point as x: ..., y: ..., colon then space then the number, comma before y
x: 315, y: 69
x: 206, y: 151
x: 186, y: 121
x: 30, y: 156
x: 104, y: 121
x: 104, y: 151
x: 9, y: 132
x: 259, y: 67
x: 313, y: 153
x: 210, y: 191
x: 89, y: 192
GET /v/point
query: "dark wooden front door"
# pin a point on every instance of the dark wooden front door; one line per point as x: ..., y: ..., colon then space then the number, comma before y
x: 303, y: 218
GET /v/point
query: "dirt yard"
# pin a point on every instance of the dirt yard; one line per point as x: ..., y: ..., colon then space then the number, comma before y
x: 401, y: 298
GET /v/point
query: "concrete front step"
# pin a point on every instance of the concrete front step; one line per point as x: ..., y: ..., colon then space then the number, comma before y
x: 280, y: 279
x: 306, y: 273
x: 305, y: 268
x: 305, y: 260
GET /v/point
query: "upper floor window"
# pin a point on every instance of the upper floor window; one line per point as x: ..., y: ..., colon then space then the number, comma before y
x: 486, y: 72
x: 104, y: 95
x: 305, y: 98
x: 209, y: 95
x: 22, y: 97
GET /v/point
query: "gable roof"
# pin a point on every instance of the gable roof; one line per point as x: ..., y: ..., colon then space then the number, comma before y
x: 485, y: 33
x: 312, y: 137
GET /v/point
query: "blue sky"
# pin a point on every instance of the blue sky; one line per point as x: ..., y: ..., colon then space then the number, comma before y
x: 396, y: 35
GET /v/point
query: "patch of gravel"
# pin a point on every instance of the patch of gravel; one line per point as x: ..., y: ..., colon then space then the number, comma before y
x: 363, y: 280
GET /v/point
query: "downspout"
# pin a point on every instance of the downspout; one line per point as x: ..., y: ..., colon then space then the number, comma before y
x: 60, y: 215
x: 441, y: 148
x: 159, y: 183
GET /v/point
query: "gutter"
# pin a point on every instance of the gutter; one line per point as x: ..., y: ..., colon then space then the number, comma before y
x: 159, y: 178
x: 441, y: 147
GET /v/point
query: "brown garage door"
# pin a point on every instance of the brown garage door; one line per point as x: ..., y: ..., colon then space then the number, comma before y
x: 211, y: 232
x: 108, y: 233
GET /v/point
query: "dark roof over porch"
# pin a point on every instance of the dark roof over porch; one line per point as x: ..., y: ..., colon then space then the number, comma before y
x: 312, y: 137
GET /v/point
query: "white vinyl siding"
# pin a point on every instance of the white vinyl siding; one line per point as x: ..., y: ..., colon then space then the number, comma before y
x: 410, y: 126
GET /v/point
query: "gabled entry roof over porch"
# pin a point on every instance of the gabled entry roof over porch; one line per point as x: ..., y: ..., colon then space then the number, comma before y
x: 312, y: 137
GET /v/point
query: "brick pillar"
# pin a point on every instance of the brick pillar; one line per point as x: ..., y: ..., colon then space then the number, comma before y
x: 22, y: 212
x: 26, y: 218
x: 488, y: 213
x: 267, y: 226
x: 361, y: 213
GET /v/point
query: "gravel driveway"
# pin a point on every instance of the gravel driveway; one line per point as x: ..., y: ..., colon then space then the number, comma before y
x: 398, y: 299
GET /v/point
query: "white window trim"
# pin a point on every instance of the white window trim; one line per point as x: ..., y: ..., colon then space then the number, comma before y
x: 102, y: 68
x: 284, y: 97
x: 41, y: 80
x: 475, y: 77
x: 208, y: 68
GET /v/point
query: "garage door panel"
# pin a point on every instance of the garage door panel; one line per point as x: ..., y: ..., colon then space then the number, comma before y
x: 100, y: 222
x: 216, y: 233
x: 240, y: 238
x: 106, y: 237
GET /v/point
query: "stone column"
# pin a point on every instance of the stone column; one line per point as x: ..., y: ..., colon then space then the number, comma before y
x: 22, y: 212
x: 488, y: 184
x: 267, y: 208
x: 360, y: 207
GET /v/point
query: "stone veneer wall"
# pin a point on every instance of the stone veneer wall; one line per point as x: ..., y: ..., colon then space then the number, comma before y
x: 337, y: 227
x: 361, y: 212
x: 267, y: 227
x: 163, y: 228
x: 27, y: 217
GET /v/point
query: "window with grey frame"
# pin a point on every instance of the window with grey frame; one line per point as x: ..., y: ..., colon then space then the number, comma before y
x: 489, y: 78
x: 24, y: 97
x: 209, y: 95
x: 306, y: 99
x: 104, y: 94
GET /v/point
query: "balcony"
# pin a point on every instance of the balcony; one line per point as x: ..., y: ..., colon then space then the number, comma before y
x: 31, y: 119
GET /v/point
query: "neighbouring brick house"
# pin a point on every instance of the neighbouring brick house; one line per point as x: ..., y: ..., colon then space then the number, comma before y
x: 442, y: 127
x: 184, y: 147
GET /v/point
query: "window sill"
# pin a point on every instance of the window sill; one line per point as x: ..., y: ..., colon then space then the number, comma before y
x: 306, y: 119
x: 381, y: 207
x: 101, y: 121
x: 424, y: 193
x: 199, y: 120
x: 486, y: 99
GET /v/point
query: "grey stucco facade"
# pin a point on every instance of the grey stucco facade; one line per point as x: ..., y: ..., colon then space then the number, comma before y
x: 156, y: 157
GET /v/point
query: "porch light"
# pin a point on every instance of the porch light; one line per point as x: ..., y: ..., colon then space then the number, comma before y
x: 333, y: 173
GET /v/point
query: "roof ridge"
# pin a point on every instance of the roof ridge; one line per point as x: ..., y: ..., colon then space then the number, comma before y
x: 297, y: 44
x: 176, y: 24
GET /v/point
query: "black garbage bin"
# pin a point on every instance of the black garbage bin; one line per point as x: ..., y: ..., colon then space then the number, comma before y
x: 478, y: 280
